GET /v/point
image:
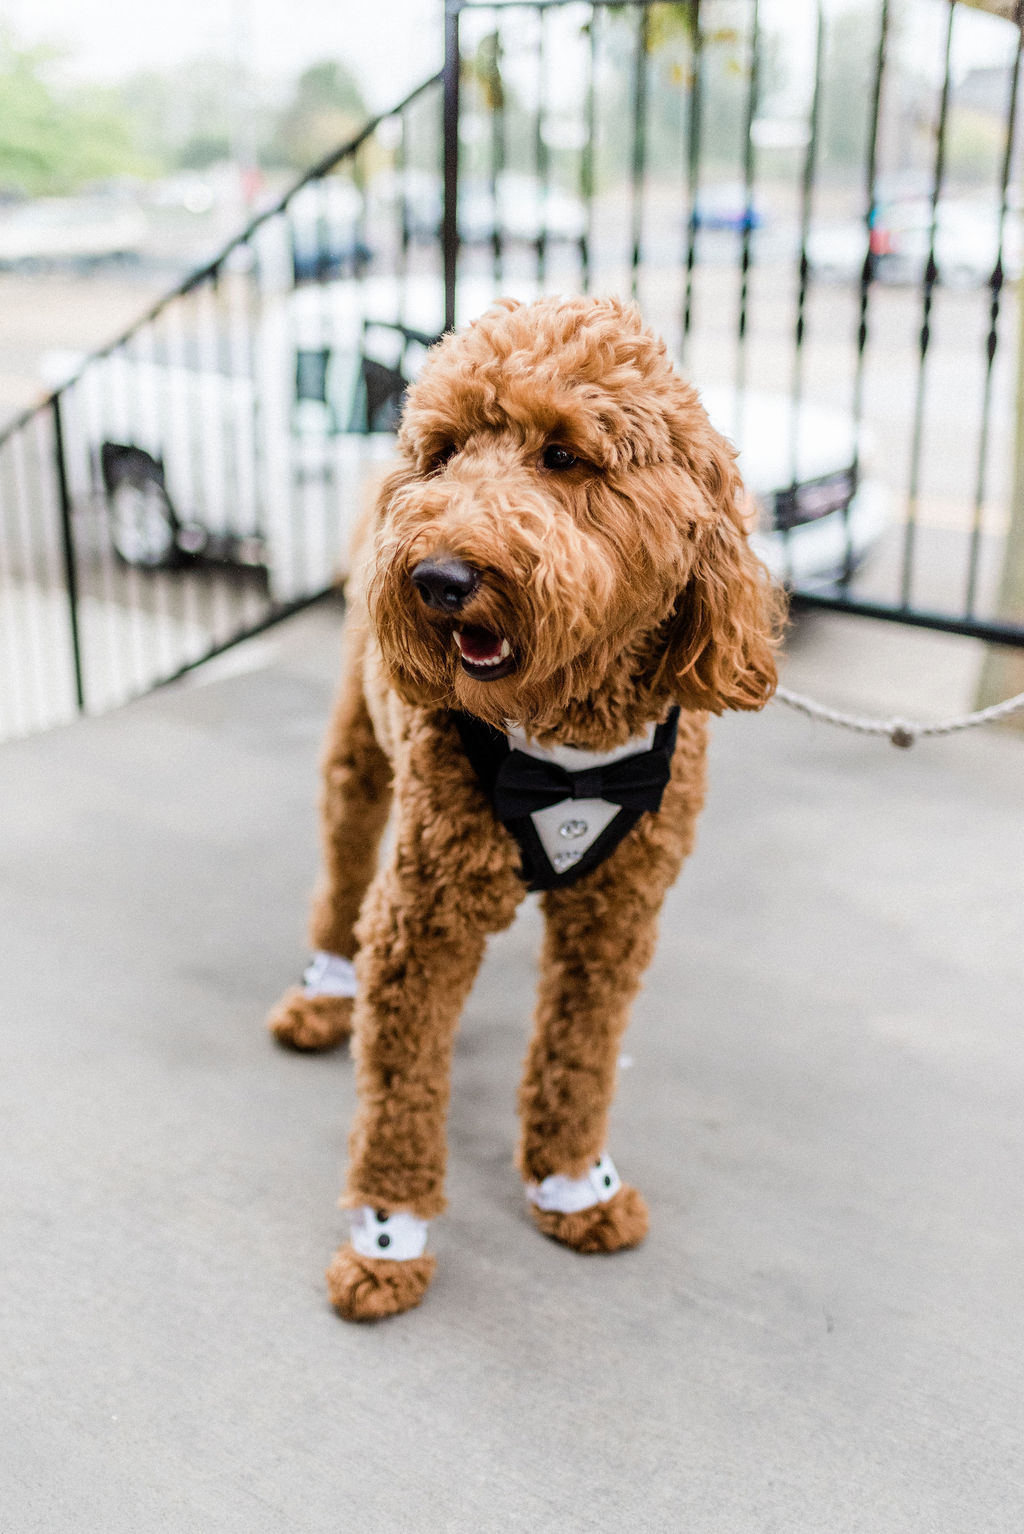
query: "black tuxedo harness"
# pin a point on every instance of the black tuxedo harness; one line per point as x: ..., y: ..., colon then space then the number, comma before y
x: 567, y: 808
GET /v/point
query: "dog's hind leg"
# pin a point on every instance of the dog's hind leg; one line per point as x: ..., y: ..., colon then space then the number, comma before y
x: 355, y: 802
x: 600, y: 935
x: 452, y: 878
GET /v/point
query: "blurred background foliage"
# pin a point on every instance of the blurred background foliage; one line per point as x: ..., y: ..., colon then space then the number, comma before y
x: 58, y: 136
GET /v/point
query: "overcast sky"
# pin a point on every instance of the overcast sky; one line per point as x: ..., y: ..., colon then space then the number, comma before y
x: 393, y: 44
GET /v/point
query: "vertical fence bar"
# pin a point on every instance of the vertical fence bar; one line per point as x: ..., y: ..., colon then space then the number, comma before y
x: 804, y: 268
x: 806, y: 208
x: 212, y: 394
x: 319, y: 513
x: 450, y: 222
x: 542, y: 158
x: 867, y: 273
x: 496, y: 92
x: 128, y: 572
x: 995, y: 284
x: 68, y: 549
x: 639, y: 165
x: 105, y: 662
x: 182, y: 450
x: 404, y: 229
x: 49, y: 561
x: 242, y: 385
x: 693, y: 147
x: 747, y: 215
x: 928, y: 289
x: 146, y: 411
x: 587, y: 152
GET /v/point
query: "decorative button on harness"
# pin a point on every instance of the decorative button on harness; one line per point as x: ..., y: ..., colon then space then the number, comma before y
x: 550, y: 795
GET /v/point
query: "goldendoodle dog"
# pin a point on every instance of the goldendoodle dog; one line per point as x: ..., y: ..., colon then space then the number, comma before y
x: 556, y: 591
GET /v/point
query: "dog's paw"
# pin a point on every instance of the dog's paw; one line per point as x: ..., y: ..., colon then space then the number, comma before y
x: 370, y: 1288
x: 609, y: 1227
x: 311, y: 1022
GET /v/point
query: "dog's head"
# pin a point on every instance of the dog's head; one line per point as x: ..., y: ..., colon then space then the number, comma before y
x: 563, y: 510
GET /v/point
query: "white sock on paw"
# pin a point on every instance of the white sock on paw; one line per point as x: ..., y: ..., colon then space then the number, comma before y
x: 397, y: 1236
x: 327, y: 974
x: 569, y: 1195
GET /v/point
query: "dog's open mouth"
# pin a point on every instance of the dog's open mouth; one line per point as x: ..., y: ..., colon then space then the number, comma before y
x: 484, y: 656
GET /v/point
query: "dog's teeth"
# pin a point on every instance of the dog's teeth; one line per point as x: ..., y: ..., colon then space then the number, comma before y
x: 478, y: 660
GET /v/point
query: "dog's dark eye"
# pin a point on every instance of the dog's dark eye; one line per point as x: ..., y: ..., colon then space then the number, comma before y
x: 556, y: 457
x: 443, y: 455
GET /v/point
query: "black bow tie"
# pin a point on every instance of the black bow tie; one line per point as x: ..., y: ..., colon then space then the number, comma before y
x: 526, y: 784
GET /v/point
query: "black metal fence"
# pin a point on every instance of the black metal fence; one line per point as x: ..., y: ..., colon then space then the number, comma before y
x: 197, y: 479
x: 815, y: 206
x: 818, y: 208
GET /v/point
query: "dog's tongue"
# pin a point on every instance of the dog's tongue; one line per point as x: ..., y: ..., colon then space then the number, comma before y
x: 479, y: 645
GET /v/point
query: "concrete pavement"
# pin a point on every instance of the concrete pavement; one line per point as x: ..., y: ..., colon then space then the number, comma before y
x: 823, y: 1332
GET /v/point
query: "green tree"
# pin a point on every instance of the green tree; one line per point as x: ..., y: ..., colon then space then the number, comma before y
x: 326, y: 107
x: 54, y: 140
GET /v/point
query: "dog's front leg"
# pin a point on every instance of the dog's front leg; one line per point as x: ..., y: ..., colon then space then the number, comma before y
x: 452, y: 878
x: 599, y: 938
x: 355, y: 801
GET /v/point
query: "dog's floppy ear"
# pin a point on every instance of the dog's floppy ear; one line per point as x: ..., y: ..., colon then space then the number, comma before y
x: 728, y: 618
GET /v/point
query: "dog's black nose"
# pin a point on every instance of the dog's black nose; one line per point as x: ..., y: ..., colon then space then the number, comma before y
x: 446, y: 584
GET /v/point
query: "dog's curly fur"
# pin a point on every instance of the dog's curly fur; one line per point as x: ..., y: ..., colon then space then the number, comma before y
x: 624, y: 584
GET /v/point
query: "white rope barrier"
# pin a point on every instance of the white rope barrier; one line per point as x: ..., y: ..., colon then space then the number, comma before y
x: 901, y: 732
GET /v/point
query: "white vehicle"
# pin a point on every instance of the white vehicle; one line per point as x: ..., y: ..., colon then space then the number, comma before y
x: 77, y: 232
x: 270, y: 464
x: 815, y: 515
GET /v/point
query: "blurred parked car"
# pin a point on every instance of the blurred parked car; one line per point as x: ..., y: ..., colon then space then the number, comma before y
x: 727, y: 206
x: 519, y: 208
x: 189, y: 471
x: 522, y: 209
x: 814, y: 512
x: 966, y: 243
x: 327, y: 241
x: 187, y: 192
x: 77, y: 232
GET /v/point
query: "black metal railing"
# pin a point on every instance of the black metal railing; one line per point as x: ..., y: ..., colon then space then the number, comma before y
x: 822, y: 227
x: 812, y: 293
x: 197, y: 479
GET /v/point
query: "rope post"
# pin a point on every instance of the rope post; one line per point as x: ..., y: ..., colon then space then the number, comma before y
x: 1002, y: 671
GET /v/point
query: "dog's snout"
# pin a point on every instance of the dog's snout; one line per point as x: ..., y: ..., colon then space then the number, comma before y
x: 445, y: 584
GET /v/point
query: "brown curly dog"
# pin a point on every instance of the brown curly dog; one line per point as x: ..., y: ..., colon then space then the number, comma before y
x: 559, y: 590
